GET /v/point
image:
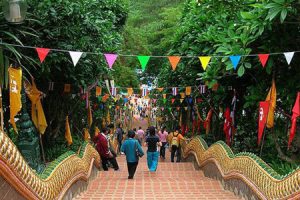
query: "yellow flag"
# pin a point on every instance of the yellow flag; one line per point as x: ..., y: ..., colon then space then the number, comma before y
x: 15, y: 86
x: 37, y: 112
x: 97, y: 131
x: 160, y: 89
x: 272, y: 98
x: 68, y: 135
x: 98, y: 91
x: 87, y: 136
x: 129, y: 91
x: 90, y: 116
x: 188, y: 90
x: 204, y: 61
x: 182, y: 95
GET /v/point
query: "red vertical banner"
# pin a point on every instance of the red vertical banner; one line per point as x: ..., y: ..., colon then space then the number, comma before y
x: 296, y: 113
x: 262, y: 119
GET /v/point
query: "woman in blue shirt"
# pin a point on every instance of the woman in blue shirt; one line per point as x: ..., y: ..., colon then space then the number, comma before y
x: 129, y: 147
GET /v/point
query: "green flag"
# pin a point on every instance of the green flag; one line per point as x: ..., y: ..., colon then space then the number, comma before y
x: 144, y: 61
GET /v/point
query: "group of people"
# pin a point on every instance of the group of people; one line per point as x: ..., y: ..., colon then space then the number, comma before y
x: 132, y: 147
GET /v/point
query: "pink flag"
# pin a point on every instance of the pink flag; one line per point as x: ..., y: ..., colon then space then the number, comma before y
x: 110, y: 59
x: 42, y: 53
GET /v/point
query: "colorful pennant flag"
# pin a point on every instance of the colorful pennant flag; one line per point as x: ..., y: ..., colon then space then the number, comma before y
x: 173, y: 100
x: 289, y: 56
x: 162, y: 109
x: 204, y: 61
x: 296, y: 113
x: 15, y: 86
x: 188, y: 91
x: 154, y: 100
x: 160, y: 89
x: 272, y: 99
x: 110, y: 59
x: 68, y: 135
x: 174, y: 60
x: 144, y: 92
x: 98, y: 91
x: 175, y: 91
x: 144, y: 61
x: 75, y: 55
x: 165, y: 96
x: 263, y: 116
x: 182, y: 95
x: 181, y: 100
x: 235, y: 61
x: 42, y: 53
x: 263, y: 59
x: 202, y: 89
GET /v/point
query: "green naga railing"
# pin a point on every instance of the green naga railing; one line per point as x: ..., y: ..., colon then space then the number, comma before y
x: 244, y: 173
x: 56, y: 180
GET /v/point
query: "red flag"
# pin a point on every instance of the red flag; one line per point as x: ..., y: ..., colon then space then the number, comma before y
x: 227, y: 125
x: 173, y: 100
x: 296, y: 113
x: 263, y: 59
x: 42, y: 53
x: 263, y: 116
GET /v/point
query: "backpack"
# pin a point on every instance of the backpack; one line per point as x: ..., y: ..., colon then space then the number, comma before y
x: 174, y: 141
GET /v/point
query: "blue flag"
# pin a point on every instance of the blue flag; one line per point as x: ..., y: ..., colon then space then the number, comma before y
x: 235, y: 61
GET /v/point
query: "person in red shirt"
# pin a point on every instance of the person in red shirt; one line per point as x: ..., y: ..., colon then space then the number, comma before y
x: 103, y: 149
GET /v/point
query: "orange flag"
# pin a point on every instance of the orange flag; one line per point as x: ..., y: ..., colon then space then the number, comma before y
x: 160, y: 89
x: 165, y: 96
x: 87, y: 136
x: 182, y: 95
x: 97, y: 131
x: 188, y: 90
x: 272, y: 99
x: 174, y: 60
x: 98, y: 91
x: 68, y: 135
x: 15, y: 86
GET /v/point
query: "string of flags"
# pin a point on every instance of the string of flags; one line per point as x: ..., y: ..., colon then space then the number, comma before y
x: 144, y: 60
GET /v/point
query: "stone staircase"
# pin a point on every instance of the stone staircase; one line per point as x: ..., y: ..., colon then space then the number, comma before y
x: 170, y: 181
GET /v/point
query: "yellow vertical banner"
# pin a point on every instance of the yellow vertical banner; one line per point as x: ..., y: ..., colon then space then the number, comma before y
x: 68, y: 135
x: 86, y: 136
x: 129, y: 91
x: 188, y: 90
x: 15, y: 87
x: 272, y: 98
x: 98, y: 91
x: 90, y: 115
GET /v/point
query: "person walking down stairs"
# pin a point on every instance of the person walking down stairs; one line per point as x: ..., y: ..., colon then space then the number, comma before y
x: 175, y: 144
x: 133, y: 150
x: 152, y: 141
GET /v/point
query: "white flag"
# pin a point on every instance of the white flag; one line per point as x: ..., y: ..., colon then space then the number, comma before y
x: 75, y: 55
x: 289, y: 56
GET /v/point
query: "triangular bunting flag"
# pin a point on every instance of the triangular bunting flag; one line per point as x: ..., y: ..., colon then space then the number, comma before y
x: 165, y: 96
x: 204, y: 61
x: 181, y: 100
x: 188, y: 90
x: 154, y: 100
x: 160, y: 89
x: 182, y: 94
x: 75, y: 55
x: 235, y: 61
x: 42, y: 53
x: 162, y: 108
x: 289, y: 56
x: 110, y: 59
x: 144, y: 61
x: 174, y: 60
x: 173, y: 100
x: 263, y: 59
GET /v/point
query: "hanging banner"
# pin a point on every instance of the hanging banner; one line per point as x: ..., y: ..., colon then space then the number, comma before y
x: 90, y: 115
x: 86, y: 136
x: 67, y: 88
x: 113, y: 91
x: 202, y: 89
x: 75, y: 55
x: 235, y: 61
x: 110, y: 59
x: 188, y: 91
x: 98, y: 91
x: 144, y: 92
x: 296, y: 114
x: 42, y: 53
x: 130, y: 91
x: 68, y: 135
x: 15, y: 87
x: 289, y: 56
x: 112, y: 83
x: 174, y: 91
x: 263, y: 59
x: 174, y: 60
x: 144, y: 61
x: 204, y: 61
x: 272, y: 99
x: 263, y: 116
